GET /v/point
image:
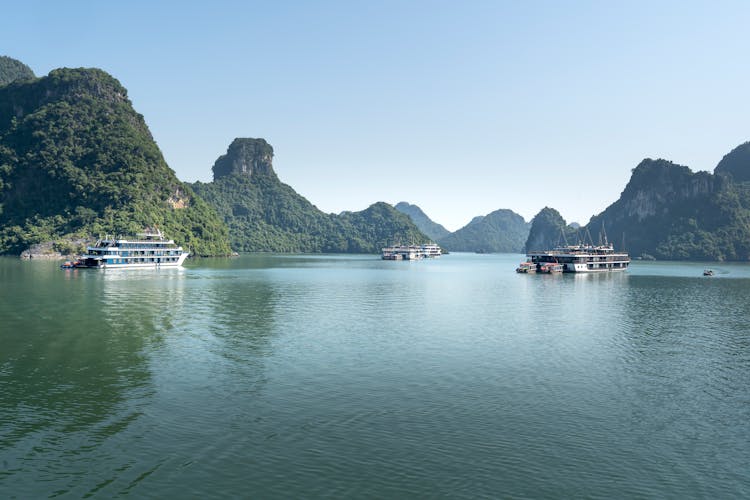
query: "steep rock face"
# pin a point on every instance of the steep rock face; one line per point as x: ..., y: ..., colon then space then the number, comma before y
x: 500, y: 231
x: 736, y: 164
x: 548, y: 230
x: 12, y: 70
x: 670, y: 212
x: 266, y: 215
x: 77, y: 160
x: 423, y: 222
x: 657, y: 186
x: 245, y: 157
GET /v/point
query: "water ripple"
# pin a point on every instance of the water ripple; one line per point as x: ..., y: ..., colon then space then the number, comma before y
x: 321, y: 376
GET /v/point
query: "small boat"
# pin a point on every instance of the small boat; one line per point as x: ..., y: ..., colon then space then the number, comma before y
x: 71, y: 264
x: 526, y: 268
x: 708, y: 272
x: 551, y: 268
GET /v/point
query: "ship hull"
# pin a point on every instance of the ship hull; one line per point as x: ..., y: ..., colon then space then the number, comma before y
x: 583, y: 268
x: 91, y: 263
x: 150, y: 265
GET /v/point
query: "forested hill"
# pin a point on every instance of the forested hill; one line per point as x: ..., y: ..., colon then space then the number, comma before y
x: 12, y: 70
x: 669, y: 212
x: 76, y: 160
x: 423, y: 222
x: 549, y: 230
x: 500, y: 231
x: 266, y: 215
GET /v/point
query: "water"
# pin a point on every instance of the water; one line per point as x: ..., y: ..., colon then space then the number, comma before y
x: 346, y: 376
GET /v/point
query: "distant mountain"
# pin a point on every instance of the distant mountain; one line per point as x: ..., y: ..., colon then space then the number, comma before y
x: 76, y: 160
x: 669, y: 212
x: 548, y: 230
x: 424, y: 223
x: 12, y: 70
x: 500, y: 231
x: 266, y: 215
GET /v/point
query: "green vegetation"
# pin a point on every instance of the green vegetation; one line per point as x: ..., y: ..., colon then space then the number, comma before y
x: 500, y: 231
x: 377, y: 226
x: 12, y: 70
x: 548, y: 230
x: 736, y: 164
x: 424, y: 223
x: 266, y: 215
x: 76, y: 161
x: 669, y: 212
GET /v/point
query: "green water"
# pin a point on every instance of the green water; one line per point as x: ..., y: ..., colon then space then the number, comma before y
x: 340, y: 376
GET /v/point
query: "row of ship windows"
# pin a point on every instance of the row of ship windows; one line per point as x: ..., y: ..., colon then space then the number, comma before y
x: 135, y: 261
x: 150, y: 252
x: 140, y: 245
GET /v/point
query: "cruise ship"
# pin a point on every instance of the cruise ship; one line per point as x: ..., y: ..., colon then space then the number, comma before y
x: 582, y: 258
x: 148, y: 250
x: 411, y: 252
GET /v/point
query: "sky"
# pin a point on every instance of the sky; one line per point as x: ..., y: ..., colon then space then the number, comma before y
x: 462, y: 108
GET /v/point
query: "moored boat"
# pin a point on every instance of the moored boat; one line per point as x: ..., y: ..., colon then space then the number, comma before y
x: 583, y: 258
x: 526, y: 268
x: 550, y: 268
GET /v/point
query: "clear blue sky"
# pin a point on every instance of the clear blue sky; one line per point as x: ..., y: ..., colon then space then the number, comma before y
x: 459, y: 107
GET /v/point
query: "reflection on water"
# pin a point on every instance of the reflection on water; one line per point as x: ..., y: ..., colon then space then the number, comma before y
x: 310, y: 376
x: 73, y: 370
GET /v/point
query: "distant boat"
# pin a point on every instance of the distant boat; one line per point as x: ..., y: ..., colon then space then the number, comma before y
x: 411, y: 252
x: 708, y: 272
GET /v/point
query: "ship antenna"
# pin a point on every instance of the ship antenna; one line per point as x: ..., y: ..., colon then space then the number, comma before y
x: 604, y: 232
x: 588, y: 233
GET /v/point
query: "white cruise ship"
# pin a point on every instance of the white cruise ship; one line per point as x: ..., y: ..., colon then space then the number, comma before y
x: 582, y: 258
x: 411, y: 252
x: 148, y: 250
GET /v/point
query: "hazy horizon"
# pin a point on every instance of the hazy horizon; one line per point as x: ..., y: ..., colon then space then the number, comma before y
x: 459, y: 110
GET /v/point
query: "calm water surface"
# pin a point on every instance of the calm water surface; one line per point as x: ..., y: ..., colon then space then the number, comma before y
x: 340, y: 376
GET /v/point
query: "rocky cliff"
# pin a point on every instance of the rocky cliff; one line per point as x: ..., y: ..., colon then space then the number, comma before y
x: 245, y: 157
x: 76, y: 160
x: 736, y: 164
x: 670, y: 212
x: 266, y: 215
